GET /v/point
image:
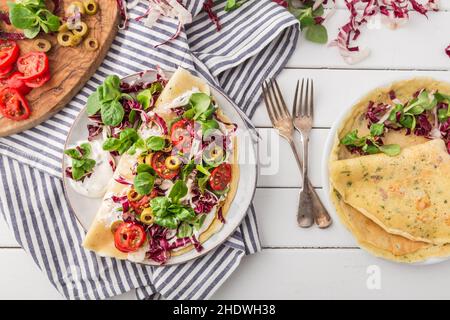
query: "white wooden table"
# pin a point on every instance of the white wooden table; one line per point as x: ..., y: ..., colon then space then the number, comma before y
x: 297, y: 263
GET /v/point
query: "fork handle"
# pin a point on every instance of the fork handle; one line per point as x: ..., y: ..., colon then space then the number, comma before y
x: 313, y: 208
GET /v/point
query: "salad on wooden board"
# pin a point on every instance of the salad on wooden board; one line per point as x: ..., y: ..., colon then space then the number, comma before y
x: 36, y: 37
x: 176, y: 172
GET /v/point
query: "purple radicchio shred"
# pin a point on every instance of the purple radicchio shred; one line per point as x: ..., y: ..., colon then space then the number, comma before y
x: 161, y: 123
x: 220, y: 215
x: 122, y: 180
x: 80, y: 150
x: 136, y: 87
x: 178, y: 111
x: 159, y: 250
x: 392, y: 95
x: 196, y: 244
x: 423, y: 126
x: 172, y: 37
x: 208, y: 7
x: 97, y: 118
x: 123, y: 200
x: 11, y: 35
x: 4, y: 16
x: 180, y: 242
x: 375, y: 112
x: 123, y: 13
x: 203, y: 202
x: 93, y: 131
x: 57, y: 4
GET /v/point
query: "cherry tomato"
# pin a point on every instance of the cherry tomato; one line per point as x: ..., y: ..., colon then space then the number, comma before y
x: 129, y: 237
x: 142, y: 203
x: 9, y: 51
x: 158, y: 164
x: 14, y: 81
x: 181, y: 135
x: 5, y: 70
x: 220, y: 177
x: 13, y: 105
x: 39, y: 81
x: 33, y: 65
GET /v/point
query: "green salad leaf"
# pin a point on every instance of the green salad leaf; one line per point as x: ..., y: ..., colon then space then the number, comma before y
x: 143, y: 182
x: 127, y: 138
x: 81, y: 163
x: 169, y: 214
x: 32, y: 16
x: 369, y: 144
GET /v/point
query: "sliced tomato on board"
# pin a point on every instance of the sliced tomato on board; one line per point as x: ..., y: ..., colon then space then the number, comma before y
x: 181, y: 135
x: 129, y: 237
x: 13, y: 105
x: 14, y: 81
x: 9, y: 52
x: 33, y: 65
x: 159, y: 165
x: 39, y: 81
x: 220, y: 177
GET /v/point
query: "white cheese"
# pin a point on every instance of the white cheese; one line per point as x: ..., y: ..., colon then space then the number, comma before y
x: 96, y: 184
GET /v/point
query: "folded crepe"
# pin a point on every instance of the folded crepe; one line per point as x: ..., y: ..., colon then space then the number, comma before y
x: 407, y: 195
x: 379, y: 242
x: 396, y: 207
x: 99, y: 238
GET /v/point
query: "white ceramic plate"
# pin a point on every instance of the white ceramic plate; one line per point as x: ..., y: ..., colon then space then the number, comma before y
x: 85, y: 208
x: 325, y: 173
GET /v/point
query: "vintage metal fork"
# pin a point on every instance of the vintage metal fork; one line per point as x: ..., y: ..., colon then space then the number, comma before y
x: 310, y: 207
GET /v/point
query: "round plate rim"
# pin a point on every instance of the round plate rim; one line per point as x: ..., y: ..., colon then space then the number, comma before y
x: 232, y: 230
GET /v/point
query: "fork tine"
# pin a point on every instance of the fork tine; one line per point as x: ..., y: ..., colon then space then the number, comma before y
x: 273, y: 99
x: 282, y: 105
x: 311, y: 101
x: 295, y: 111
x: 302, y: 98
x: 269, y: 105
x: 306, y: 107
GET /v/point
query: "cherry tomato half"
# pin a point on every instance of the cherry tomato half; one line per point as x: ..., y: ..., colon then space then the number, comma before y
x: 158, y: 164
x: 13, y: 105
x: 129, y: 237
x: 144, y: 202
x: 9, y: 51
x: 5, y: 70
x: 181, y: 135
x: 39, y: 81
x: 33, y: 65
x: 14, y: 81
x: 220, y: 177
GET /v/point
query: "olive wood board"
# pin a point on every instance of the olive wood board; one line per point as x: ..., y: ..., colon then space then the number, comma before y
x: 70, y: 67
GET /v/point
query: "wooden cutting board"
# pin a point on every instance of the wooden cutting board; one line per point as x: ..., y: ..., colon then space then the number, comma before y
x: 70, y: 67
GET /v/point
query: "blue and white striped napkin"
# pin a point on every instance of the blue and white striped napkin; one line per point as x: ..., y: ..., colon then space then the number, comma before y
x: 255, y: 42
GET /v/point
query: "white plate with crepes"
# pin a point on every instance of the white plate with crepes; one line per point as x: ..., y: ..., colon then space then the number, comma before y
x: 349, y: 181
x: 86, y: 208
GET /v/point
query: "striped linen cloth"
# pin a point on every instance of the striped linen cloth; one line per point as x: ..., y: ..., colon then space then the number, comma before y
x: 255, y: 42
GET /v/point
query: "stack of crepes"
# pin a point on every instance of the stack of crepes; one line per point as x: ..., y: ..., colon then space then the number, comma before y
x: 397, y: 207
